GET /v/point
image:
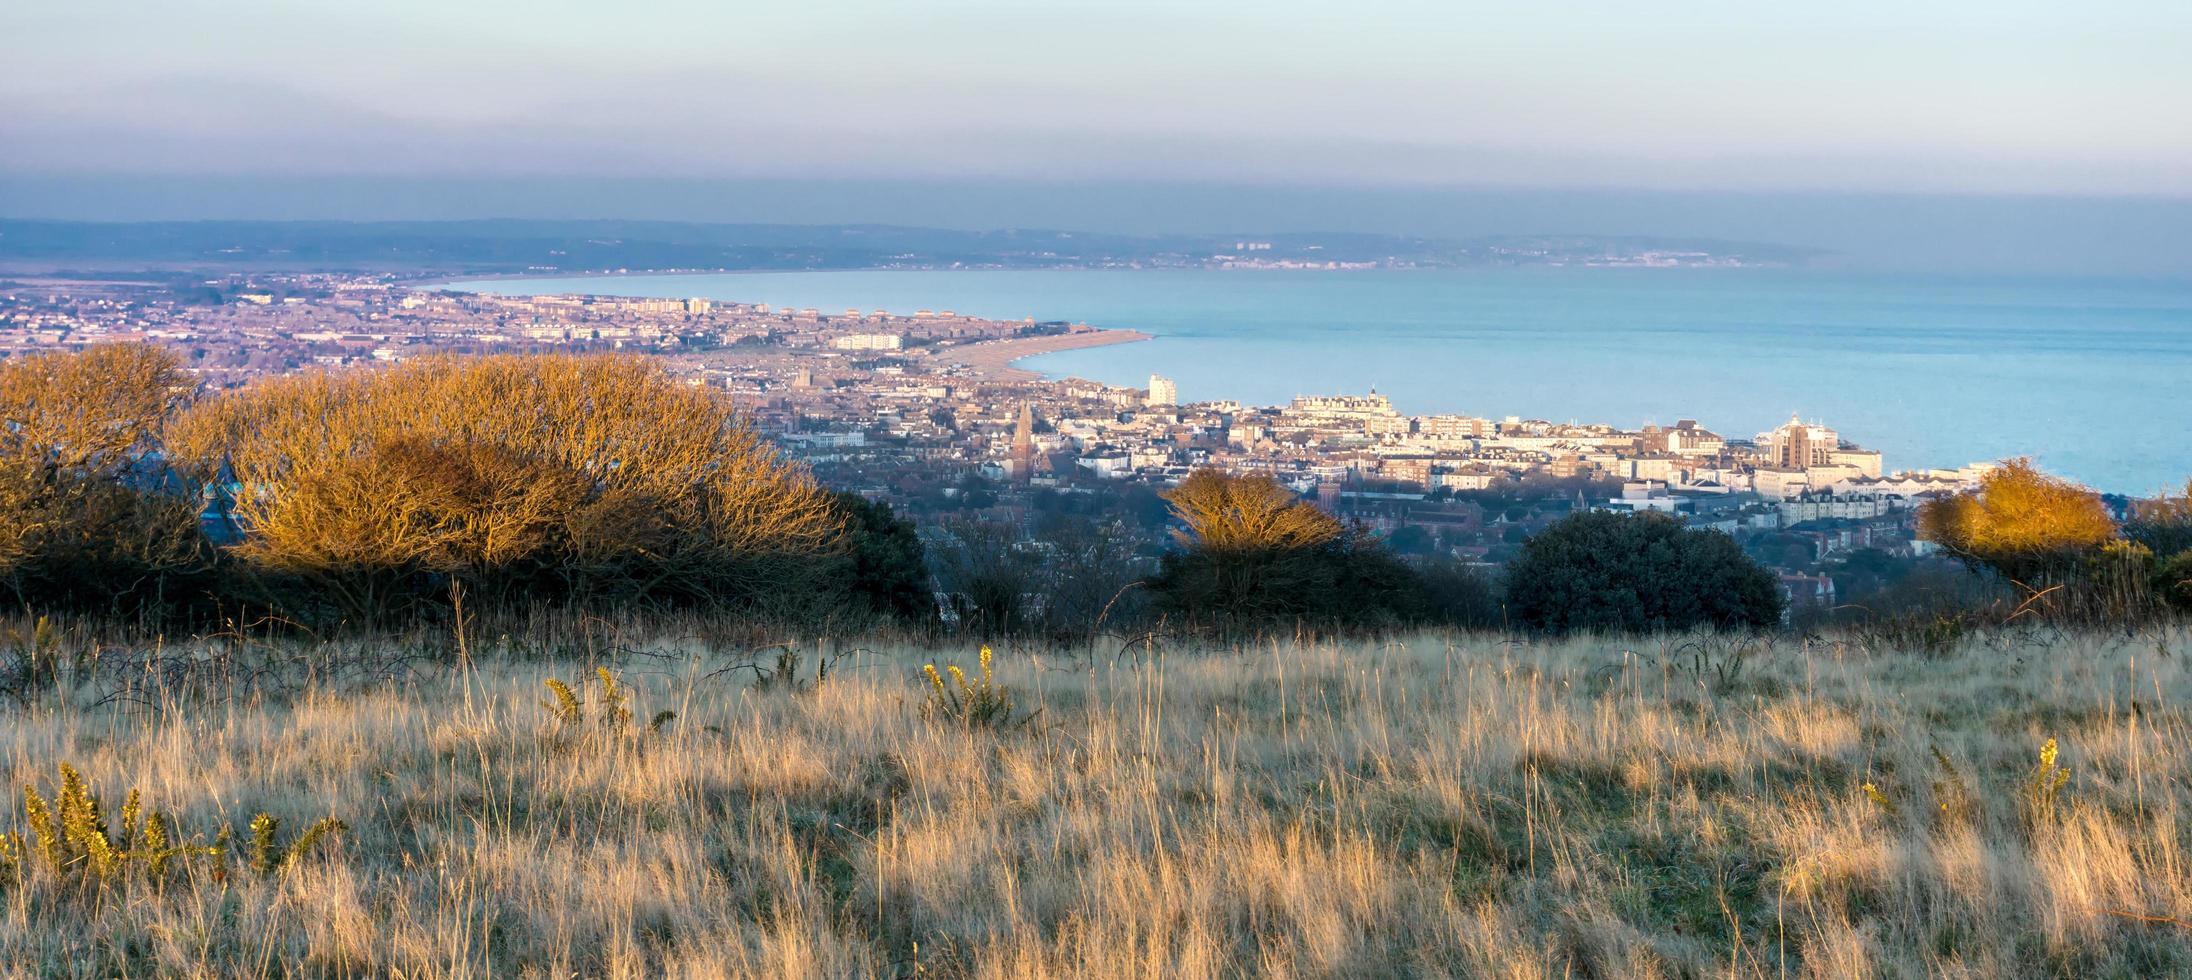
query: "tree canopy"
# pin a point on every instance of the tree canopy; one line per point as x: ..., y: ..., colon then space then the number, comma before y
x: 1636, y: 573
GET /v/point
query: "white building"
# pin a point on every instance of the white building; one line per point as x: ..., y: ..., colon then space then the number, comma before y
x: 1110, y: 466
x: 869, y: 341
x: 1162, y: 391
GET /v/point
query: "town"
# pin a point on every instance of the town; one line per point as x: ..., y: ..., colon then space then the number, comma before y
x: 924, y: 410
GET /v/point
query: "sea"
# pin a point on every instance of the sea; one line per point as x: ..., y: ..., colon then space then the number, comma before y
x: 2091, y: 377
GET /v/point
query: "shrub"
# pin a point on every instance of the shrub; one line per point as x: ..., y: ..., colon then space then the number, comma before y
x: 1602, y: 571
x: 1459, y: 595
x: 521, y: 477
x: 2173, y: 580
x: 2163, y: 524
x: 2020, y: 522
x: 2057, y: 542
x: 88, y: 518
x: 887, y: 569
x: 1253, y: 555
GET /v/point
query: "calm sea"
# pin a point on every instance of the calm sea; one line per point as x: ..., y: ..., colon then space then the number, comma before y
x: 2092, y: 377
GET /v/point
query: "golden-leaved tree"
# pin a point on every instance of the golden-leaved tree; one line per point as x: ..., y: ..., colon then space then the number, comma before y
x: 1247, y: 513
x: 2021, y: 522
x: 86, y: 517
x: 596, y: 477
x: 1254, y: 555
x: 2058, y: 542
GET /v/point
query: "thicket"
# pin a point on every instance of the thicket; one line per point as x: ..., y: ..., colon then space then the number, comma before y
x: 1252, y: 556
x: 2057, y: 543
x: 571, y: 479
x: 430, y: 487
x: 89, y: 519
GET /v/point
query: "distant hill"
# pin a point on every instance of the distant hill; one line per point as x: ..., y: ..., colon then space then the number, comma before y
x: 578, y: 246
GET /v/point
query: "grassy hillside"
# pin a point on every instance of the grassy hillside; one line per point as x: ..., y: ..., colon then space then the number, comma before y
x: 1440, y: 805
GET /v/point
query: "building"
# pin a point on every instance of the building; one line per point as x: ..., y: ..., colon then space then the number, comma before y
x: 1798, y: 445
x: 1452, y: 427
x: 1779, y: 482
x: 1865, y: 461
x: 1336, y: 407
x: 1162, y: 391
x: 1685, y: 439
x: 869, y: 341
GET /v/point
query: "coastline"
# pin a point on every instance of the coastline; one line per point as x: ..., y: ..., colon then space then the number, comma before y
x: 998, y: 359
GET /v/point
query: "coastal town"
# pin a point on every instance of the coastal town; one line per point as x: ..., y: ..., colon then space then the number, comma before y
x: 924, y: 409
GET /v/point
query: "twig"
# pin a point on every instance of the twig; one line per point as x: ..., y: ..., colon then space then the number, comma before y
x: 2159, y: 920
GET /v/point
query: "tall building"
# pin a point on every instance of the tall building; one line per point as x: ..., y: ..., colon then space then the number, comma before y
x: 1162, y: 391
x: 1023, y: 442
x: 1799, y: 445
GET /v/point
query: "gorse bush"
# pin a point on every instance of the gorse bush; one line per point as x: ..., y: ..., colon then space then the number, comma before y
x: 524, y: 478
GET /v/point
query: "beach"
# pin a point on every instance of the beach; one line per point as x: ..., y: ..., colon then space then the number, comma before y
x: 994, y: 358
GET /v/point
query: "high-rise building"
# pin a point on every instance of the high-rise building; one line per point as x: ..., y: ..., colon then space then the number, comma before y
x: 1799, y: 445
x: 1162, y: 391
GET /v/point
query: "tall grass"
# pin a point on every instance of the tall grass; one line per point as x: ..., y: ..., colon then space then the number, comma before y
x: 1435, y: 805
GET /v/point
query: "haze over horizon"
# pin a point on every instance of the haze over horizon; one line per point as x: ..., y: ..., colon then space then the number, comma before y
x: 1957, y: 135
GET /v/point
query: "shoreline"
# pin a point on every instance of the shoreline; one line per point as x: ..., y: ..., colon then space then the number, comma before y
x: 994, y: 359
x: 999, y: 359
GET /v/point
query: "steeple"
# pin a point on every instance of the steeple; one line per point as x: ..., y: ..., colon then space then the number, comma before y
x: 1023, y: 442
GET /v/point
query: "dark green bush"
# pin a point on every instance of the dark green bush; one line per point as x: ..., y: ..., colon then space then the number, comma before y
x: 1616, y: 572
x: 886, y: 569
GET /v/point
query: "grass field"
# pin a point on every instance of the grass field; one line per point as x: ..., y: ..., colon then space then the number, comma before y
x: 1434, y: 806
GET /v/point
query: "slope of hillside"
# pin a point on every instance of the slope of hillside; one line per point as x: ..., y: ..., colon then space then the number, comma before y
x: 1439, y: 805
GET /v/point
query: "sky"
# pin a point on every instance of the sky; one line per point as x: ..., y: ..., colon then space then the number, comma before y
x: 2040, y: 132
x: 1963, y: 96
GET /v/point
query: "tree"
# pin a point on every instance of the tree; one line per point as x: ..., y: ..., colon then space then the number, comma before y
x: 87, y: 515
x: 1624, y: 573
x: 995, y: 581
x: 1252, y: 554
x: 887, y: 570
x: 587, y: 477
x: 1224, y: 513
x: 2030, y: 527
x: 1412, y: 540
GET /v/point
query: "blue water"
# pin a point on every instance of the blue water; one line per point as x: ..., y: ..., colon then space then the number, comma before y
x: 2092, y: 377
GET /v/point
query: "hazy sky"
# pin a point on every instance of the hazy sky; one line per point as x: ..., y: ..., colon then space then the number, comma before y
x: 1964, y: 96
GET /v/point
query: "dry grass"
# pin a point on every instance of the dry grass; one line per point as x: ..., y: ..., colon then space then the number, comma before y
x: 1442, y: 806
